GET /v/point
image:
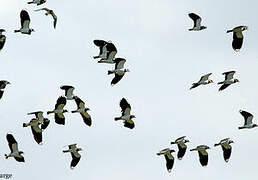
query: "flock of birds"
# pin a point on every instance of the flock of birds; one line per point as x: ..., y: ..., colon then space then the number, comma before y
x: 107, y: 55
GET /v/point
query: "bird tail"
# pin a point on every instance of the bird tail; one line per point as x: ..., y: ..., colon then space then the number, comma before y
x: 16, y: 31
x: 240, y: 127
x: 74, y: 111
x: 110, y: 72
x: 95, y: 57
x: 65, y: 151
x: 217, y: 144
x: 190, y: 29
x: 49, y: 112
x: 30, y: 2
x: 117, y: 118
x: 228, y: 31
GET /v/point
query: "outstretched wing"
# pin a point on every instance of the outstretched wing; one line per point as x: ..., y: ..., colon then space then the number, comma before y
x: 116, y: 79
x: 125, y: 106
x: 60, y: 103
x: 25, y: 19
x: 13, y: 145
x: 119, y: 63
x: 196, y: 19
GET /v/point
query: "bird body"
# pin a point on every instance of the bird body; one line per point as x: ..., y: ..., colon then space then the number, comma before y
x: 203, y: 154
x: 126, y: 116
x: 248, y: 120
x: 228, y: 80
x: 119, y: 70
x: 13, y: 145
x: 25, y: 23
x: 82, y: 110
x: 203, y: 81
x: 59, y: 110
x: 181, y: 146
x: 226, y: 147
x: 169, y: 158
x: 197, y: 22
x: 75, y: 155
x: 36, y: 130
x: 238, y: 37
x: 68, y: 91
x: 49, y: 12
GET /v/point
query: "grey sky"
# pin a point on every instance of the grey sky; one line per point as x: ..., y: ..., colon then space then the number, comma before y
x: 164, y: 59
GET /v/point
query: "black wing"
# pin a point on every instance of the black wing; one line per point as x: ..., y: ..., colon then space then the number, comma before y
x: 78, y: 101
x: 100, y: 44
x: 60, y: 100
x: 181, y: 152
x: 129, y: 124
x: 124, y: 104
x: 224, y: 86
x: 59, y: 118
x: 86, y: 119
x: 203, y: 158
x: 11, y: 141
x: 2, y: 84
x: 237, y: 42
x: 116, y: 79
x: 246, y: 115
x: 3, y: 41
x: 226, y: 153
x: 24, y: 15
x: 37, y: 134
x: 75, y: 160
x: 1, y: 93
x: 194, y: 17
x: 45, y: 123
x: 194, y: 85
x: 169, y: 163
x: 19, y: 159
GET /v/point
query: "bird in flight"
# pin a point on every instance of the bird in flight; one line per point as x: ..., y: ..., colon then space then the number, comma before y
x: 75, y: 155
x: 203, y: 154
x: 203, y: 81
x: 226, y: 148
x: 238, y: 37
x: 3, y: 84
x: 13, y: 145
x: 197, y: 22
x: 248, y: 120
x: 25, y: 23
x: 126, y: 114
x: 181, y: 146
x: 169, y: 158
x: 2, y: 39
x: 38, y: 2
x: 59, y: 110
x: 107, y: 51
x: 51, y: 12
x: 228, y: 80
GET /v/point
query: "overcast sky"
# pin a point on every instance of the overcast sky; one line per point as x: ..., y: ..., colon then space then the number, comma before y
x: 164, y: 59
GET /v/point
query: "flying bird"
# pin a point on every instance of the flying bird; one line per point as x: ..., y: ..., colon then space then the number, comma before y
x: 203, y: 154
x: 203, y: 81
x: 75, y: 155
x: 119, y: 70
x: 126, y: 116
x: 228, y: 80
x: 38, y: 2
x: 3, y: 84
x: 68, y: 91
x: 238, y: 37
x: 82, y: 110
x: 169, y: 158
x: 59, y: 110
x: 181, y: 146
x: 197, y: 22
x: 36, y: 130
x: 107, y: 51
x: 226, y: 148
x: 248, y: 120
x: 2, y: 39
x: 25, y: 23
x: 51, y: 12
x: 13, y: 145
x: 44, y: 122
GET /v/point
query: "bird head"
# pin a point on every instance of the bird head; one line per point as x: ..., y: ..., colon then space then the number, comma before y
x: 186, y: 141
x: 2, y: 30
x: 244, y: 28
x: 210, y: 81
x: 203, y: 27
x: 79, y: 149
x: 6, y: 82
x: 236, y: 80
x: 132, y: 116
x: 230, y: 141
x: 64, y: 111
x: 87, y: 109
x: 21, y: 152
